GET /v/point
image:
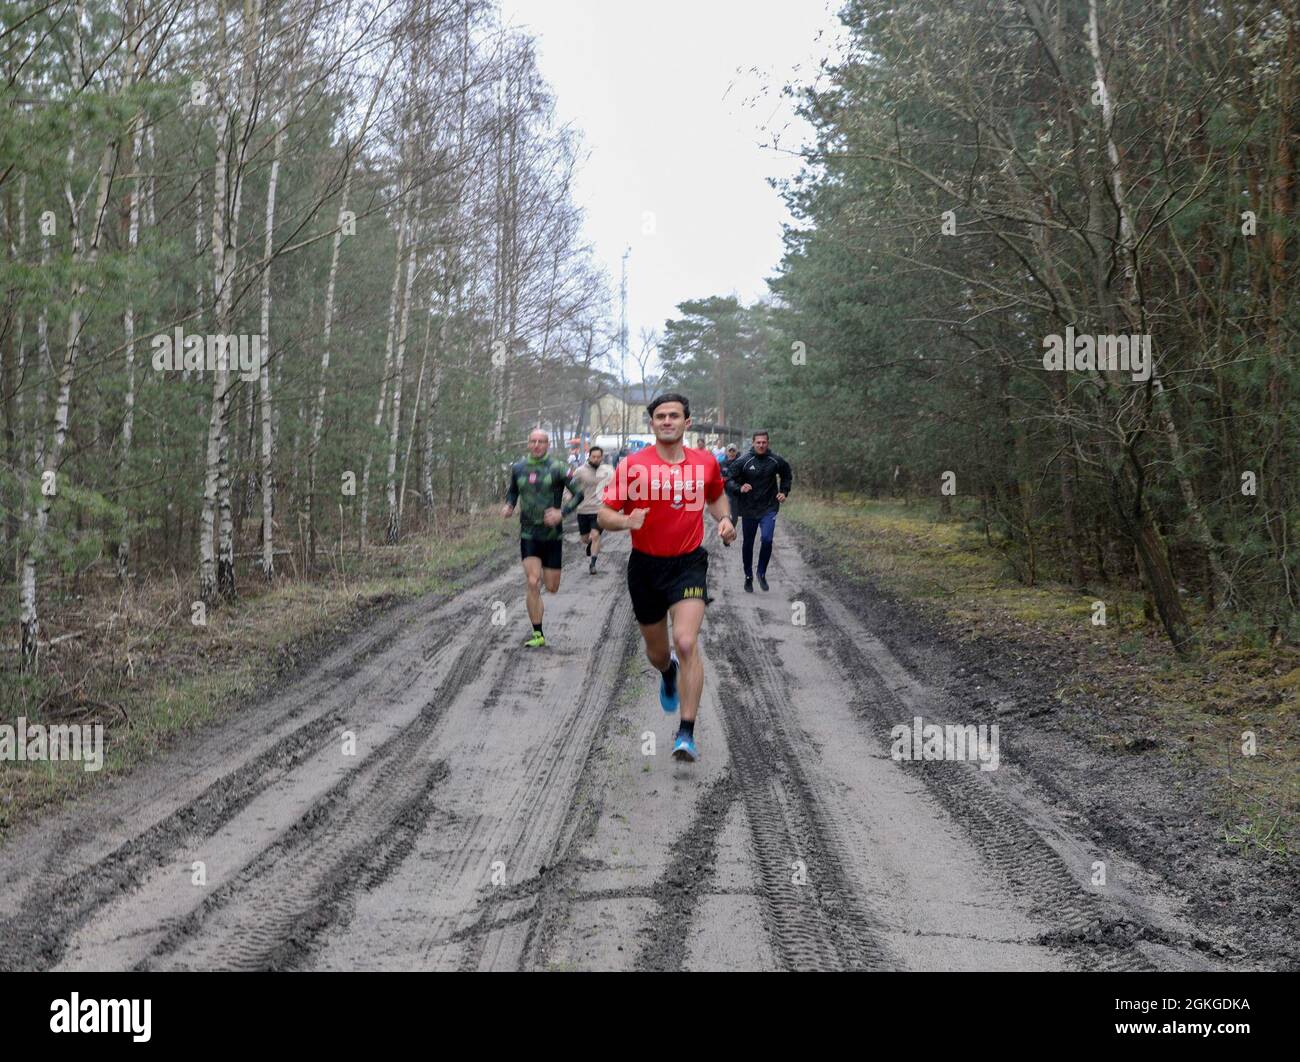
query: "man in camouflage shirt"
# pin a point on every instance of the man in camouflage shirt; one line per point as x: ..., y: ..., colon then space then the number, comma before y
x: 537, y: 485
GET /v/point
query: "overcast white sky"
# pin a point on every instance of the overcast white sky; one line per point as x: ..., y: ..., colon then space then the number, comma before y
x: 672, y: 98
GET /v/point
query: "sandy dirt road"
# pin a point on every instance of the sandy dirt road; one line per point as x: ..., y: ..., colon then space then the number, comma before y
x: 517, y: 809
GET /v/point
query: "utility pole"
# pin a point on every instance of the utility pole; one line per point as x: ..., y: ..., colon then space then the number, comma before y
x: 622, y: 345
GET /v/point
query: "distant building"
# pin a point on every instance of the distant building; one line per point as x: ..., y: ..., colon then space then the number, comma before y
x: 605, y: 418
x: 606, y: 414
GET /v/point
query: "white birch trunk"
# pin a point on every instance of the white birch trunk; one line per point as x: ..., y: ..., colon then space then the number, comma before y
x: 1200, y: 529
x: 264, y: 372
x: 431, y: 403
x: 217, y: 572
x: 216, y: 417
x: 408, y: 297
x: 318, y: 411
x: 19, y: 413
x: 198, y: 255
x: 415, y: 414
x: 389, y: 343
x: 128, y: 327
x: 28, y: 607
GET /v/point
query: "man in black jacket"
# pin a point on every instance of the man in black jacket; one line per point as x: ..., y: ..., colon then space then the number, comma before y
x: 763, y: 480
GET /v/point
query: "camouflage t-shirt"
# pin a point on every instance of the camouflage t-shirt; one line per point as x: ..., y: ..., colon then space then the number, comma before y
x: 536, y: 486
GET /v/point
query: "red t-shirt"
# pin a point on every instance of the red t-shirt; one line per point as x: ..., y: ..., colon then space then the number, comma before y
x: 674, y: 494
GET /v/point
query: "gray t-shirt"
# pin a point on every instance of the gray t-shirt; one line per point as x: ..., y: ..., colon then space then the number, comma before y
x: 593, y: 482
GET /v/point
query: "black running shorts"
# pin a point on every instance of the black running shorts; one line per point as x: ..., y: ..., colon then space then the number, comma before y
x: 656, y: 583
x: 551, y: 551
x: 587, y: 522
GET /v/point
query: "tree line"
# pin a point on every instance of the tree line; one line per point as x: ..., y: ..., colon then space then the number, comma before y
x: 991, y: 179
x: 374, y: 196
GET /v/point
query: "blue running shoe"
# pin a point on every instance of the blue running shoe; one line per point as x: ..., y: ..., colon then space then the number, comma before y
x: 669, y: 701
x: 684, y: 748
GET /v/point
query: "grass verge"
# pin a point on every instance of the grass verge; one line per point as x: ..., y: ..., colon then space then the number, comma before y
x: 1203, y: 709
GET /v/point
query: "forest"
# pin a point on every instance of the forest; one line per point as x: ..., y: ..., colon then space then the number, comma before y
x: 360, y: 214
x: 990, y: 178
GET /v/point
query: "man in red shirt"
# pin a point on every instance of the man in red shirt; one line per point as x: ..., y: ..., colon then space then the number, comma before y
x: 660, y: 494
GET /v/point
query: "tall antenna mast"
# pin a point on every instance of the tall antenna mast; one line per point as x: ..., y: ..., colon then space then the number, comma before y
x: 622, y: 343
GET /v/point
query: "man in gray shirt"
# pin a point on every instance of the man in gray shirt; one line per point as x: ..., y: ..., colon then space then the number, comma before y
x: 592, y: 476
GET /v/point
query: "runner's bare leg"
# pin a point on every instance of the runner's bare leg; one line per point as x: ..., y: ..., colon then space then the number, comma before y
x: 688, y: 617
x: 656, y: 643
x: 533, y: 572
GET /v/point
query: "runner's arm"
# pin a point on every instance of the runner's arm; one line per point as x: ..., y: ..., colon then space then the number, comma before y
x: 720, y: 510
x: 786, y: 476
x: 574, y: 488
x: 610, y: 519
x: 512, y: 495
x: 719, y: 506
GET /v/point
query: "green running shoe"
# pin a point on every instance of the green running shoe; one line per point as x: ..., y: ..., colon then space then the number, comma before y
x: 535, y: 640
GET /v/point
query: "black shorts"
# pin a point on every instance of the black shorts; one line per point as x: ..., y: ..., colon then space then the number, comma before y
x: 656, y: 583
x: 587, y: 522
x: 551, y: 551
